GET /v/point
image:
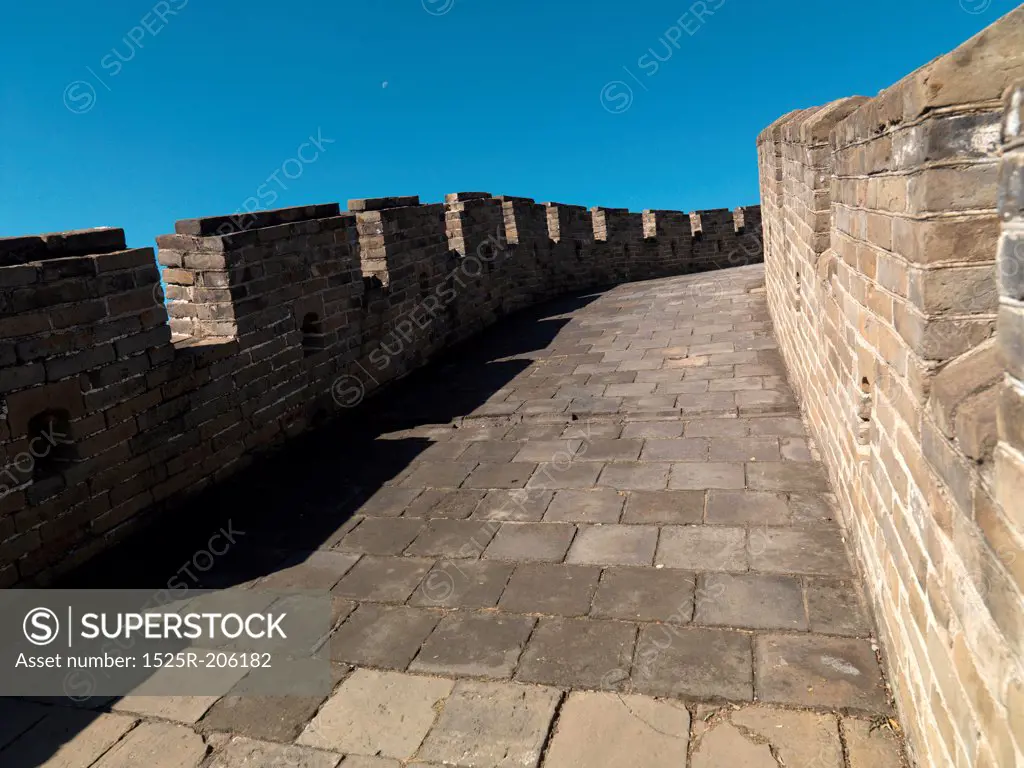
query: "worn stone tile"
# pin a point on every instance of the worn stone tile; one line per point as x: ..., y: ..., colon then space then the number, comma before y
x: 491, y: 452
x: 453, y: 539
x: 747, y: 508
x: 592, y: 430
x: 701, y: 548
x: 64, y: 738
x: 543, y: 406
x: 636, y: 389
x: 635, y: 476
x: 717, y: 428
x: 672, y: 507
x: 799, y: 550
x: 438, y: 502
x: 447, y: 450
x: 611, y: 377
x: 492, y: 725
x: 548, y: 451
x: 736, y: 384
x: 684, y: 387
x: 733, y: 358
x: 381, y: 536
x: 706, y: 475
x: 511, y: 475
x: 578, y: 474
x: 593, y: 406
x: 383, y: 579
x: 483, y: 431
x: 577, y: 653
x: 613, y: 545
x: 438, y: 474
x: 474, y: 645
x: 645, y: 594
x: 600, y: 449
x: 702, y: 663
x: 547, y: 588
x: 787, y: 476
x: 780, y: 426
x: 745, y: 449
x: 595, y: 729
x: 709, y: 402
x: 531, y: 541
x: 471, y: 584
x: 594, y: 506
x: 798, y: 738
x: 869, y: 748
x: 750, y: 600
x: 819, y: 671
x: 310, y: 570
x: 378, y: 713
x: 522, y: 506
x: 811, y: 508
x: 725, y: 746
x: 653, y: 429
x: 681, y: 449
x: 532, y: 431
x: 765, y: 401
x: 835, y: 608
x: 156, y: 745
x: 382, y: 635
x: 795, y: 449
x: 388, y: 502
x: 242, y: 752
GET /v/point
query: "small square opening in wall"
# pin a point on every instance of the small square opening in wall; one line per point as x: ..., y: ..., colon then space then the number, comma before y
x: 865, y: 410
x: 313, y: 340
x: 50, y: 444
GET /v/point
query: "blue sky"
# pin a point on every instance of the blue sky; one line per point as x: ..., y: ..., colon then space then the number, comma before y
x: 135, y: 113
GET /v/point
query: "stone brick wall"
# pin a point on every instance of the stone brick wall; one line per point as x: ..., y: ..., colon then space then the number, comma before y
x: 116, y: 401
x: 881, y: 231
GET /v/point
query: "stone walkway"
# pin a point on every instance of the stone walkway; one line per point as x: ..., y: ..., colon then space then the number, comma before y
x: 597, y: 537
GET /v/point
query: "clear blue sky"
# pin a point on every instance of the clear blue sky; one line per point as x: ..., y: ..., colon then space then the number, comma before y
x: 117, y: 113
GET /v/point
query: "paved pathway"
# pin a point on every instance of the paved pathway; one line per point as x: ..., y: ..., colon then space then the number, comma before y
x: 598, y: 537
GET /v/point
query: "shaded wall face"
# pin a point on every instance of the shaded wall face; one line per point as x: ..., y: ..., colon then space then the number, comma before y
x: 117, y: 401
x: 881, y: 232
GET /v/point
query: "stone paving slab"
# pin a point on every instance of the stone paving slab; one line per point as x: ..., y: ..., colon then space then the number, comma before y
x: 492, y: 725
x: 576, y: 653
x: 385, y: 714
x: 548, y: 588
x: 599, y: 541
x: 815, y: 671
x: 474, y: 645
x: 597, y: 729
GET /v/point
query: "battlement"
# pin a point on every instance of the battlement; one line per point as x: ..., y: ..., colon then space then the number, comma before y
x: 58, y: 245
x: 126, y: 390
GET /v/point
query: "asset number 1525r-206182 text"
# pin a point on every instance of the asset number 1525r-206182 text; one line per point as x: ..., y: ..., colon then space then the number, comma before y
x: 206, y: 660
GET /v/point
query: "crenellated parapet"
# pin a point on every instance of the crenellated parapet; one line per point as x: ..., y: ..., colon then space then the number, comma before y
x: 125, y: 387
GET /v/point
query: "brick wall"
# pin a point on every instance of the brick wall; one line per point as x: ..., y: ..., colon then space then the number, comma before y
x: 117, y: 401
x: 880, y: 232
